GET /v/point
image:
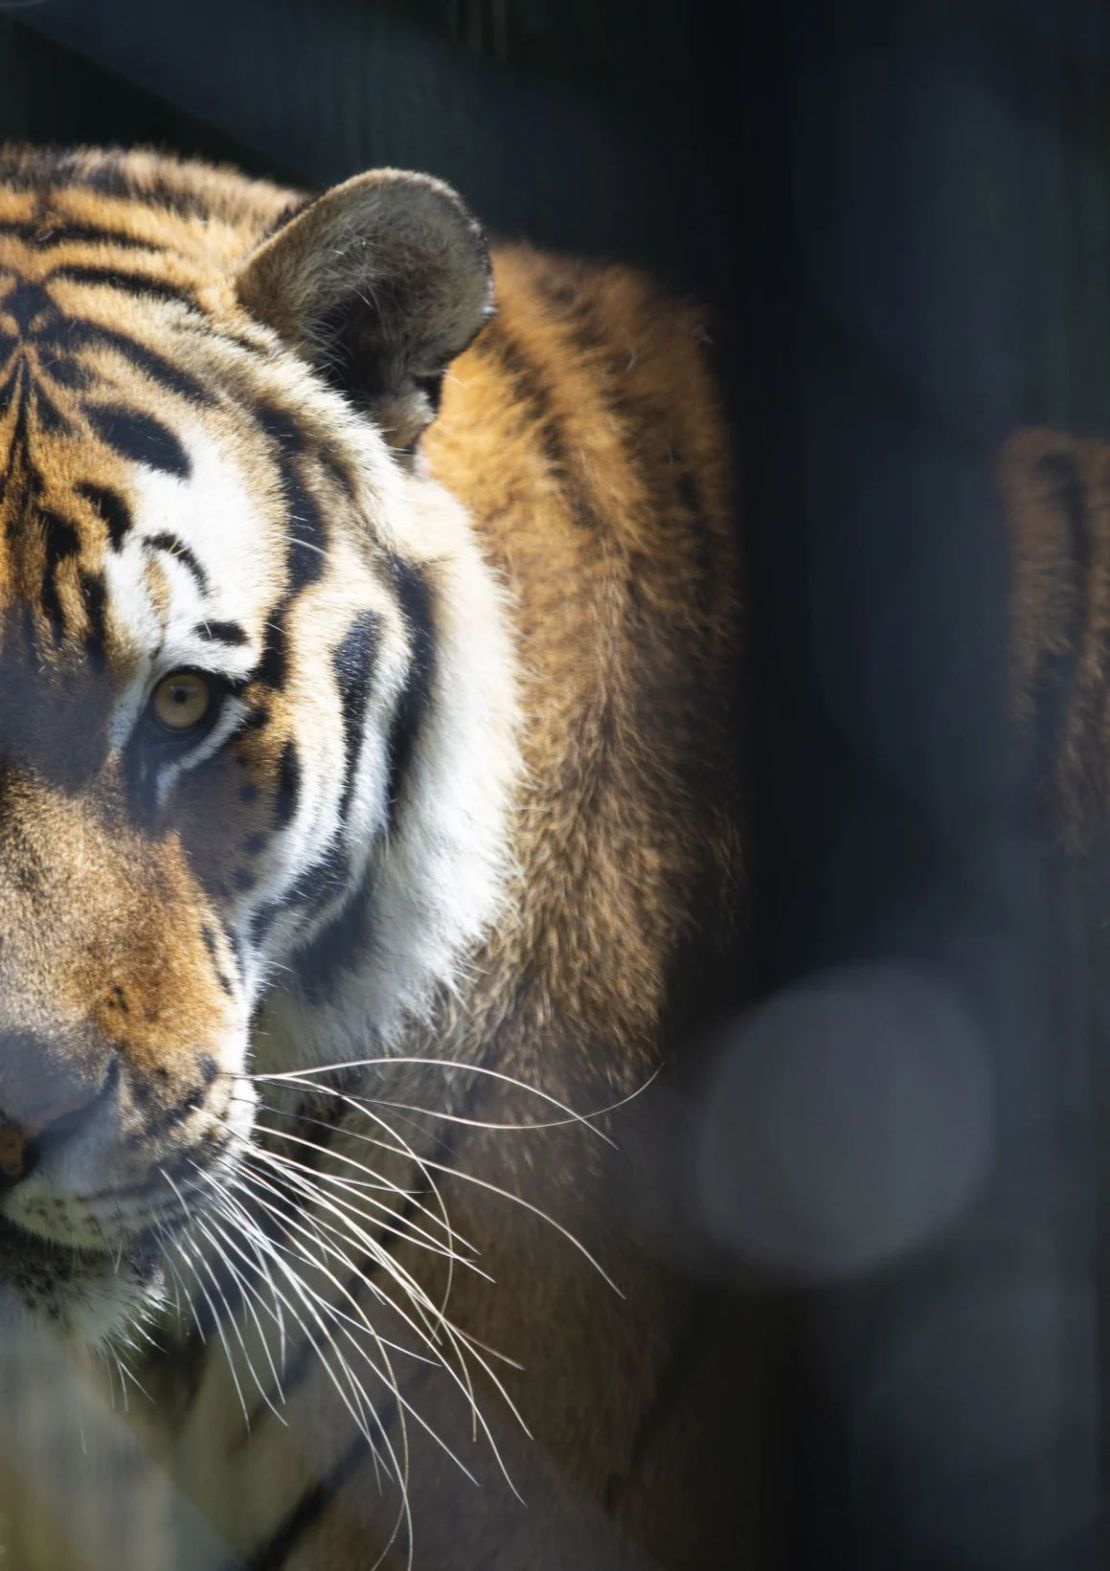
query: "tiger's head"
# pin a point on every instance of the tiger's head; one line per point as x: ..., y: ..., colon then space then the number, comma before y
x: 256, y: 708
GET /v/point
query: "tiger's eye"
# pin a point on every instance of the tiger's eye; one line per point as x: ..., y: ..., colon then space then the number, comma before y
x: 181, y: 701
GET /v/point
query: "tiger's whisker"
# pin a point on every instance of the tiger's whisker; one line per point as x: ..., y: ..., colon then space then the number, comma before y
x: 458, y: 1340
x: 418, y: 1237
x: 366, y: 1324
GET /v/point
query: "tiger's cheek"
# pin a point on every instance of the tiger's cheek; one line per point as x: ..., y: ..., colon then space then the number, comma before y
x: 230, y: 813
x: 163, y: 988
x: 179, y: 1035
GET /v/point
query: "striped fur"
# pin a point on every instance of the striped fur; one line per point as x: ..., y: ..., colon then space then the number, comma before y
x: 279, y: 996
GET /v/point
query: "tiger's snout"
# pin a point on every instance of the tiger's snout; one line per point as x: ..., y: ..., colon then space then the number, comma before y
x: 45, y: 1103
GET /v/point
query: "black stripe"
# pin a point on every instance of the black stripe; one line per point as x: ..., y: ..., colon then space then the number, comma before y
x: 51, y: 603
x: 140, y: 438
x: 235, y: 944
x: 68, y: 334
x: 166, y: 373
x: 40, y: 169
x: 21, y: 480
x: 61, y: 537
x: 306, y: 557
x: 48, y: 417
x: 70, y: 374
x: 535, y: 403
x: 45, y: 235
x: 414, y: 595
x: 112, y: 175
x: 307, y: 535
x: 432, y: 388
x: 110, y: 507
x: 209, y: 939
x: 28, y: 303
x: 353, y: 663
x: 264, y: 918
x: 95, y: 595
x: 60, y: 543
x: 340, y: 946
x: 221, y: 632
x: 589, y: 333
x: 13, y: 390
x: 342, y: 943
x: 274, y: 1552
x: 339, y: 468
x: 139, y: 783
x: 567, y: 298
x: 173, y: 546
x: 324, y: 880
x: 271, y: 668
x: 124, y: 282
x: 288, y: 786
x: 240, y: 341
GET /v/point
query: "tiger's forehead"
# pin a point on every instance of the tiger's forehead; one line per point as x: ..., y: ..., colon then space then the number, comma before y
x: 114, y: 571
x: 125, y: 454
x: 171, y: 478
x: 121, y: 526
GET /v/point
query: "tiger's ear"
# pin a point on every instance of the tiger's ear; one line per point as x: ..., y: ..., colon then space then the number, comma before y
x: 380, y: 283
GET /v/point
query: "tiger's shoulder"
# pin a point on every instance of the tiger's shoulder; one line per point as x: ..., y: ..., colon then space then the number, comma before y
x: 583, y: 433
x: 593, y: 382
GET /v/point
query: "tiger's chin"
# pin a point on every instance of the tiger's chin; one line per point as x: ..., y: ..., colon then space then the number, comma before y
x: 84, y: 1297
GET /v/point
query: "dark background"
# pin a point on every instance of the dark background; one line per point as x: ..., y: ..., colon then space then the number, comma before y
x: 899, y: 214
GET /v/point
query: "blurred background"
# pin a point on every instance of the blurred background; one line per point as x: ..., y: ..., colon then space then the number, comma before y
x: 900, y: 217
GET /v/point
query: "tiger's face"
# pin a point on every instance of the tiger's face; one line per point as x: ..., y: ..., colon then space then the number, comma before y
x: 226, y: 733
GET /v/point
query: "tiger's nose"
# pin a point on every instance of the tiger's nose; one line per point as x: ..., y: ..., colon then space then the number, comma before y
x: 40, y: 1109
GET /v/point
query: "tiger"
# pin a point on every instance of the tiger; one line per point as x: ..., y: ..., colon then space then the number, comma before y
x: 370, y: 620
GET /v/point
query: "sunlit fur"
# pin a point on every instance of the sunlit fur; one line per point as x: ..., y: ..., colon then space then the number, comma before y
x: 467, y: 799
x: 1054, y: 490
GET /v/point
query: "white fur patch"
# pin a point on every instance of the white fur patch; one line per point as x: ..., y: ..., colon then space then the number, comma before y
x: 440, y: 880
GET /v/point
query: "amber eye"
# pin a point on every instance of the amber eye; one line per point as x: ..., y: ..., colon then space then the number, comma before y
x: 182, y: 700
